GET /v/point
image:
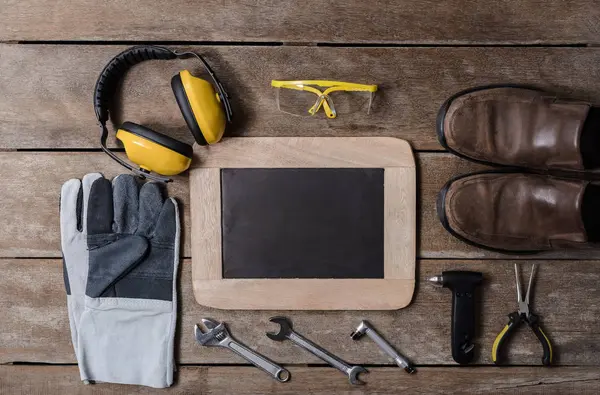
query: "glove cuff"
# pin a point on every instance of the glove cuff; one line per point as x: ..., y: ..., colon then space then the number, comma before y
x: 127, y: 341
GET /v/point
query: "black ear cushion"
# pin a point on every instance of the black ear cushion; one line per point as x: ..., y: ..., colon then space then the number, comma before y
x: 186, y: 109
x: 162, y: 139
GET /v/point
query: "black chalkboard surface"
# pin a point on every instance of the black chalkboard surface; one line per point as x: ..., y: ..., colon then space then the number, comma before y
x: 302, y: 223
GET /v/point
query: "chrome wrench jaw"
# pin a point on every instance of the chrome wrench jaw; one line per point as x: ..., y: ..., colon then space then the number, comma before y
x: 286, y: 332
x: 285, y: 329
x: 212, y: 337
x: 217, y: 335
x: 353, y: 373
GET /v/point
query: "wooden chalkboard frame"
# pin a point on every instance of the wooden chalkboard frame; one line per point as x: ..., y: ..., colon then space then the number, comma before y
x: 392, y: 292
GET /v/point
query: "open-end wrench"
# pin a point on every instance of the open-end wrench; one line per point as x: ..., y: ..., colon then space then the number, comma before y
x: 217, y: 335
x: 286, y: 332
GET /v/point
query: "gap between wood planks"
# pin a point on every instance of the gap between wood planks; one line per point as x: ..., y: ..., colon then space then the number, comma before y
x: 297, y: 44
x: 322, y: 365
x: 316, y: 380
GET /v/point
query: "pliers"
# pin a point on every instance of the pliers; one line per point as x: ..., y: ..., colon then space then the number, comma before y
x: 520, y: 316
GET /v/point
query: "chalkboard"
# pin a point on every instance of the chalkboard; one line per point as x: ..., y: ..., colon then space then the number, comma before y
x: 302, y: 223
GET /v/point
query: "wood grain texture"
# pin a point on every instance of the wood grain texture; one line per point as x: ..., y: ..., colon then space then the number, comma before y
x: 400, y: 211
x: 305, y: 152
x: 305, y: 294
x: 30, y: 226
x: 389, y: 21
x: 205, y: 195
x: 392, y: 292
x: 205, y: 380
x: 48, y: 103
x: 35, y: 328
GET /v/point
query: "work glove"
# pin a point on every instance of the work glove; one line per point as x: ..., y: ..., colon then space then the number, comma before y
x: 73, y: 236
x: 125, y: 332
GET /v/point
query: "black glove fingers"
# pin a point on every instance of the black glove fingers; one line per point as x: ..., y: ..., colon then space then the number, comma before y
x: 126, y: 204
x: 167, y: 226
x: 151, y: 203
x: 82, y: 202
x: 100, y: 208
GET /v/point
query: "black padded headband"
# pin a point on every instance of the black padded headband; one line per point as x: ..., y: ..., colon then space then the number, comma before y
x: 109, y: 78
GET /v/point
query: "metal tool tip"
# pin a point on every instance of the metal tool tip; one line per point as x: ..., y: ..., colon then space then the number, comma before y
x: 437, y: 280
x: 209, y: 323
x: 410, y: 369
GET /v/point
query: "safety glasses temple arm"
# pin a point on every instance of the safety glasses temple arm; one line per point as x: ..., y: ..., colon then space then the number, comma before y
x: 325, y: 84
x: 299, y: 88
x: 349, y: 89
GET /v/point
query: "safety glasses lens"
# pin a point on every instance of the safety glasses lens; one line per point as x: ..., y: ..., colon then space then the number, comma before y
x: 308, y: 103
x: 297, y: 102
x: 348, y: 102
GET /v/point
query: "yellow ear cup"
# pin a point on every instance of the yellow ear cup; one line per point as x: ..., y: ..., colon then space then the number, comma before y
x: 200, y: 107
x: 152, y: 154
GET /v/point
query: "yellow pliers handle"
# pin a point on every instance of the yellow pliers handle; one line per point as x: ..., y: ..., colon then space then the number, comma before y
x: 514, y: 320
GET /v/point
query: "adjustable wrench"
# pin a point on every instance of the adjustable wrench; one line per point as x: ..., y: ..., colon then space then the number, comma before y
x: 217, y: 335
x: 286, y: 332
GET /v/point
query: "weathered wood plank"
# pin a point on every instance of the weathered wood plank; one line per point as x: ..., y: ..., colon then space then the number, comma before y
x: 21, y: 379
x: 30, y: 224
x: 48, y: 104
x: 389, y: 21
x: 435, y: 242
x: 34, y: 325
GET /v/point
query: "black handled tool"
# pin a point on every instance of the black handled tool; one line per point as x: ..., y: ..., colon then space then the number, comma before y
x: 520, y: 316
x: 463, y: 285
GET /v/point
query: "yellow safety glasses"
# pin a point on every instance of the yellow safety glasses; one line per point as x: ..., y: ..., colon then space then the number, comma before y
x: 306, y: 97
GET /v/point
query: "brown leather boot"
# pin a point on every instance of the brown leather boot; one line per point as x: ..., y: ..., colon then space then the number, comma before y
x: 514, y: 212
x: 513, y: 126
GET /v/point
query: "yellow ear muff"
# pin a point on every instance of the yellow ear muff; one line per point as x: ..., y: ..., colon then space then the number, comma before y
x: 154, y: 151
x: 200, y: 106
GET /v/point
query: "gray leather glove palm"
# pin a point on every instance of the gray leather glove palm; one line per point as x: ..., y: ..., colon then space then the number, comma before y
x: 125, y: 333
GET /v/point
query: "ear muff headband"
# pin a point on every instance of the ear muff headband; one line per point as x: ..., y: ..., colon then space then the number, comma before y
x: 108, y: 81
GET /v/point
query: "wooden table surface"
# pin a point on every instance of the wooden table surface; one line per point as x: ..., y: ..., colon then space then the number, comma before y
x: 419, y: 53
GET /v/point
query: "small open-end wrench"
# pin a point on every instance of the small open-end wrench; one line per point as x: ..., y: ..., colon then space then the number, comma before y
x: 365, y: 328
x: 286, y: 332
x: 217, y: 335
